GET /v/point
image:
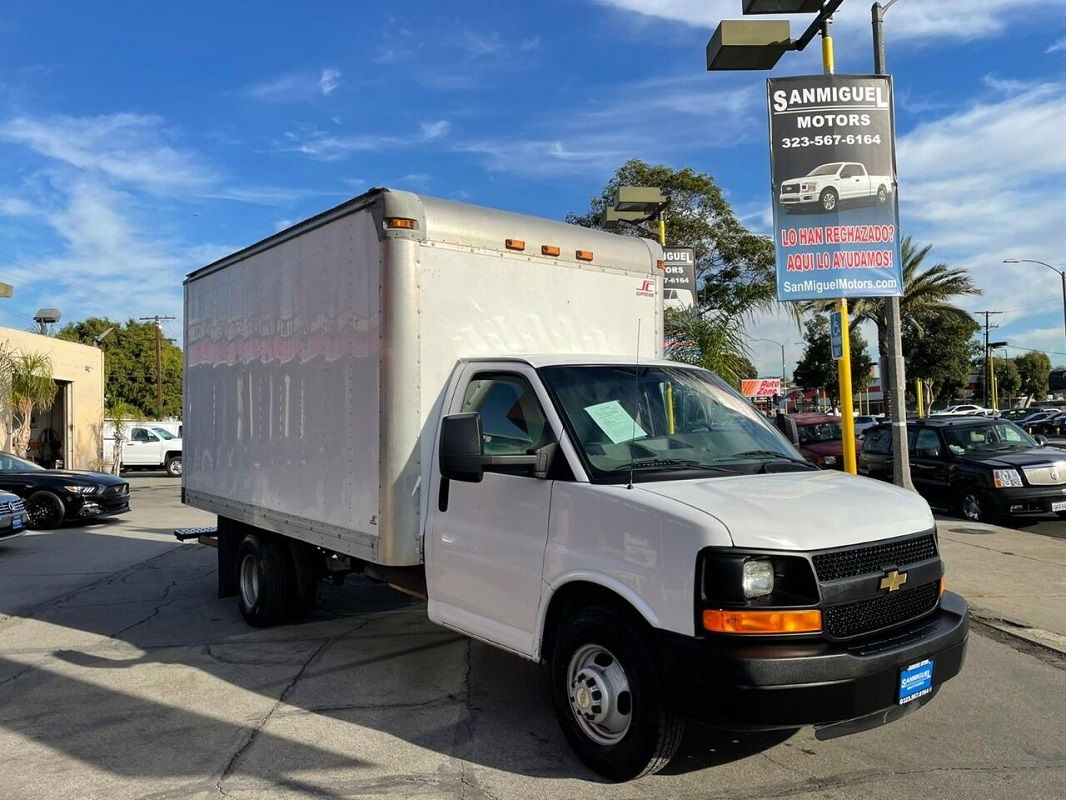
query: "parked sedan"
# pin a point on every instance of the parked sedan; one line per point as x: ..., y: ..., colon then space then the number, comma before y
x: 12, y: 516
x: 980, y: 468
x: 53, y: 497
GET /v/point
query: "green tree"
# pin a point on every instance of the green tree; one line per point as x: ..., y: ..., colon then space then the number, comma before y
x: 818, y: 369
x: 939, y: 351
x: 927, y: 294
x: 714, y: 341
x: 33, y: 388
x: 129, y: 363
x: 1008, y: 381
x: 734, y: 267
x: 1034, y: 369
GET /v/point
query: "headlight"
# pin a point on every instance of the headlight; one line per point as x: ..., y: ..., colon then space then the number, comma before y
x: 758, y: 577
x: 808, y: 187
x: 1006, y: 478
x: 80, y: 489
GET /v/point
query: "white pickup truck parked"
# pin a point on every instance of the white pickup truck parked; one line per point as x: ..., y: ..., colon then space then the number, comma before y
x: 830, y: 185
x: 146, y: 445
x: 401, y: 387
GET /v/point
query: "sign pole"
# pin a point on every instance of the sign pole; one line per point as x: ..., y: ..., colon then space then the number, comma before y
x: 847, y: 422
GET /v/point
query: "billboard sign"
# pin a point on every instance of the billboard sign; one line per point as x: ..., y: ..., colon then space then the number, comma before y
x: 679, y: 279
x: 760, y: 387
x: 833, y: 173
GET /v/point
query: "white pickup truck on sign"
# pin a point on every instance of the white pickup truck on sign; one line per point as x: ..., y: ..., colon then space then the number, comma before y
x: 828, y: 185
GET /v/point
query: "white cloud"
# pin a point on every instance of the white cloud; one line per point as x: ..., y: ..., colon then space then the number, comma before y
x: 908, y: 20
x: 325, y: 146
x: 296, y: 87
x: 131, y: 148
x: 1058, y: 46
x: 16, y: 207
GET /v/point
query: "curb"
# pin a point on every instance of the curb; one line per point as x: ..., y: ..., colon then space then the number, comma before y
x: 1044, y: 639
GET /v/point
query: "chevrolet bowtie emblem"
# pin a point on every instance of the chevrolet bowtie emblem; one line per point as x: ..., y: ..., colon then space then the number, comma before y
x: 893, y: 580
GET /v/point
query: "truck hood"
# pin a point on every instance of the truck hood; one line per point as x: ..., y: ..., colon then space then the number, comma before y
x: 801, y: 510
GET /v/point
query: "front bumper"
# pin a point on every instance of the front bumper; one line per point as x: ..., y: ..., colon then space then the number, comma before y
x: 798, y: 199
x: 1025, y: 499
x: 782, y: 684
x: 93, y: 507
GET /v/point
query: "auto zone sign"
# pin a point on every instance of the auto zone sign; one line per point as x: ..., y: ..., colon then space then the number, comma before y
x: 760, y: 387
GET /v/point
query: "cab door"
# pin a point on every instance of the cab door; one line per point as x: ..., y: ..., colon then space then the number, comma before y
x: 930, y: 465
x: 141, y: 448
x: 485, y: 541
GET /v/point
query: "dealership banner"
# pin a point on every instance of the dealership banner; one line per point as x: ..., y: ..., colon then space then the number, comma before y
x: 760, y: 387
x: 679, y: 277
x: 833, y: 173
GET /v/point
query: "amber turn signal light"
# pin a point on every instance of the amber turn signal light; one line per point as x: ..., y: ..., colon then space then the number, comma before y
x: 719, y: 621
x: 400, y: 222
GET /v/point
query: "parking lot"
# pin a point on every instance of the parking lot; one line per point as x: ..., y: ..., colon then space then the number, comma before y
x: 123, y: 676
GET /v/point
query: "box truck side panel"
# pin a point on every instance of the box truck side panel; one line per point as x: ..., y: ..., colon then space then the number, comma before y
x: 282, y: 390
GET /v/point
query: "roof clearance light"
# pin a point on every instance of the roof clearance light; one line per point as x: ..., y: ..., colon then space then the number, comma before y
x: 515, y: 244
x: 549, y: 250
x: 584, y: 255
x: 806, y: 621
x: 401, y: 222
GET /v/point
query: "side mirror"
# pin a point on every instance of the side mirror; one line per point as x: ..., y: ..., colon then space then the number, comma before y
x: 787, y: 426
x: 461, y: 447
x: 1041, y: 440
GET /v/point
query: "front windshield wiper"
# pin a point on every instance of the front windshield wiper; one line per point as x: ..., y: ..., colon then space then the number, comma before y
x: 669, y: 463
x: 770, y: 453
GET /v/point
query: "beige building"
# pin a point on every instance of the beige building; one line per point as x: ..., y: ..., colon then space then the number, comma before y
x: 70, y: 432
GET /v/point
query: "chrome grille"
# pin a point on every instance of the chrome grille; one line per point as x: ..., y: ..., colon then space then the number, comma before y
x: 1051, y: 475
x: 12, y: 507
x: 863, y: 560
x: 852, y: 619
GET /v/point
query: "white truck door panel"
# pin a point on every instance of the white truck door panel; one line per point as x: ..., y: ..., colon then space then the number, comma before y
x: 485, y: 552
x: 139, y: 449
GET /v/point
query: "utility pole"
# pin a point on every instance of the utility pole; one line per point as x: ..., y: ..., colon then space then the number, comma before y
x: 988, y: 367
x: 893, y: 369
x: 158, y: 320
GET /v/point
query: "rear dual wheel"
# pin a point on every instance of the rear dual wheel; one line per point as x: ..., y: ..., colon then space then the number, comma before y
x: 277, y: 579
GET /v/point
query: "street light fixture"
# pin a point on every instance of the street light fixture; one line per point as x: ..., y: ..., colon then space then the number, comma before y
x: 45, y: 317
x: 774, y: 341
x: 1062, y: 275
x: 632, y: 205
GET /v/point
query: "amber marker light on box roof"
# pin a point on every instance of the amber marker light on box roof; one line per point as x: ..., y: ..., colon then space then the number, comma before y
x: 400, y: 222
x: 584, y: 255
x: 805, y: 621
x: 515, y: 244
x: 549, y: 250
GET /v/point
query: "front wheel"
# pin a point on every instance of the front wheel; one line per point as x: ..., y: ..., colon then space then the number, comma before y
x: 173, y: 467
x: 44, y: 510
x: 975, y: 507
x: 828, y: 200
x: 609, y: 698
x: 882, y: 195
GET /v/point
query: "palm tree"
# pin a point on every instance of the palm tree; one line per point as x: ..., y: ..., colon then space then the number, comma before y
x: 32, y: 388
x: 713, y: 340
x: 926, y: 293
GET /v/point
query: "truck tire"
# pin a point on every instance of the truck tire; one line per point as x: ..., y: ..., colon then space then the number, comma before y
x: 44, y: 511
x: 608, y: 695
x: 882, y: 195
x: 173, y: 467
x: 975, y: 507
x: 306, y: 578
x: 828, y: 200
x: 264, y: 580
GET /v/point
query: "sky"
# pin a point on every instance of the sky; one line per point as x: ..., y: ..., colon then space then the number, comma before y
x: 140, y: 141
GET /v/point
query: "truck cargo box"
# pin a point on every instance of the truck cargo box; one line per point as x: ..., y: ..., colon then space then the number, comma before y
x: 317, y: 357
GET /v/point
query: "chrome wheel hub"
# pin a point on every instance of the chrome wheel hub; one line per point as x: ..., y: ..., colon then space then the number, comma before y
x: 599, y: 693
x: 249, y: 580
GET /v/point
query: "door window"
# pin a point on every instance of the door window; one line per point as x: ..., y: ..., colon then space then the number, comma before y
x: 878, y: 441
x: 927, y: 444
x: 512, y: 421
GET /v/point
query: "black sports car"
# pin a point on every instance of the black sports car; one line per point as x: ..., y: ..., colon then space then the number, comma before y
x: 53, y: 497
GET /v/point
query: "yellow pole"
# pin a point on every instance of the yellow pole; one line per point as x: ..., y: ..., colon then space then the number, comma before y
x: 847, y: 423
x: 670, y: 420
x: 920, y: 395
x: 994, y: 385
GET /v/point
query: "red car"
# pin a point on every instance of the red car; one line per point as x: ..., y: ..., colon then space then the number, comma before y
x: 820, y: 439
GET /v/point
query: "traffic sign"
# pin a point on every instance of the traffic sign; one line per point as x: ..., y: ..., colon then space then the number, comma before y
x: 836, y: 334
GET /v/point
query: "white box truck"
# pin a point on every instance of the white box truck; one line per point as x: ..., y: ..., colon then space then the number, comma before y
x: 471, y: 405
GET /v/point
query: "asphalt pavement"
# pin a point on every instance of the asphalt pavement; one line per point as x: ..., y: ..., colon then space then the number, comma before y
x: 123, y: 676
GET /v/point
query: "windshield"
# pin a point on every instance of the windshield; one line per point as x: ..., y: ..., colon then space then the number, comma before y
x: 825, y: 169
x: 999, y: 435
x: 658, y: 419
x: 163, y: 433
x: 10, y: 463
x: 819, y: 432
